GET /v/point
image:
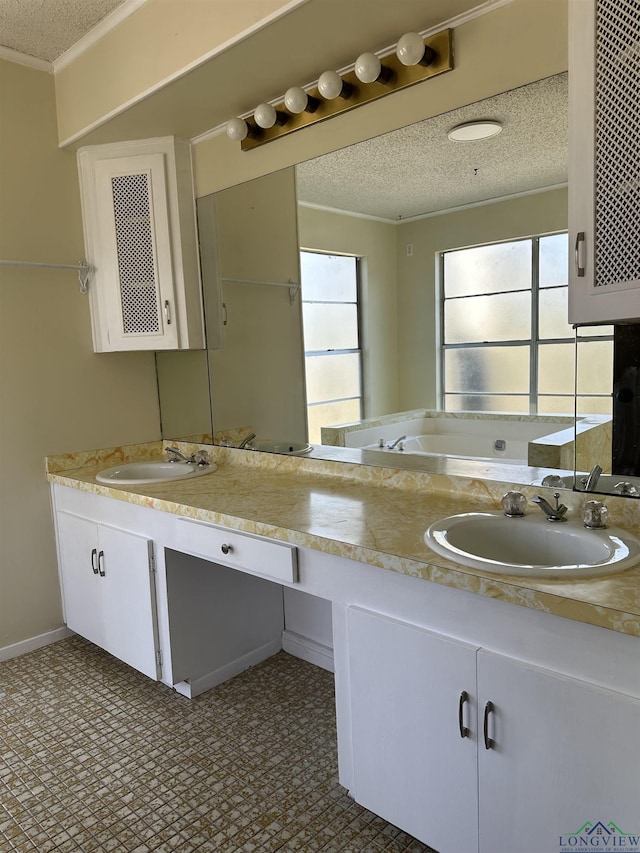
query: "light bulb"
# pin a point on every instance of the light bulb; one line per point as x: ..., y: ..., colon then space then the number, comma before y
x: 237, y: 129
x: 368, y: 67
x: 296, y: 100
x: 265, y: 116
x: 410, y: 49
x: 331, y: 85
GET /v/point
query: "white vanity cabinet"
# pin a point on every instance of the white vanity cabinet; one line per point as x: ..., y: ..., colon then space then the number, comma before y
x: 471, y: 750
x: 108, y: 589
x: 138, y: 213
x: 604, y: 151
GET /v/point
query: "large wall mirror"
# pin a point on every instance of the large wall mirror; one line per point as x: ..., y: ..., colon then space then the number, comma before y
x: 384, y: 212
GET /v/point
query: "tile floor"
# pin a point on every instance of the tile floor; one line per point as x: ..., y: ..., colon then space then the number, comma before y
x: 96, y: 757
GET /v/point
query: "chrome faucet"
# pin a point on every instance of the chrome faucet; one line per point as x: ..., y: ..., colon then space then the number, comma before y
x: 391, y: 445
x: 556, y: 513
x: 176, y: 455
x: 245, y: 441
x: 592, y: 480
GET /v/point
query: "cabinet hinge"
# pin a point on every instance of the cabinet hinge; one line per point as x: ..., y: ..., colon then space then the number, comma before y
x: 152, y: 559
x: 159, y: 657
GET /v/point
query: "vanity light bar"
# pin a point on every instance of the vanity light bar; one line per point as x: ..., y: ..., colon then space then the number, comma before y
x: 393, y: 75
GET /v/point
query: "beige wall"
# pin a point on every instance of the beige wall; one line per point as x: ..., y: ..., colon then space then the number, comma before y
x: 375, y: 243
x: 155, y: 43
x: 417, y: 293
x: 55, y: 394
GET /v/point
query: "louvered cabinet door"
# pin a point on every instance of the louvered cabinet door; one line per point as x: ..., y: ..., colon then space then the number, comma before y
x: 604, y: 160
x: 136, y: 277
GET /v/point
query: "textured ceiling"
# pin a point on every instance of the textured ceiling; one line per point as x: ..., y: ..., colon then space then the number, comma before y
x: 418, y: 170
x: 47, y: 28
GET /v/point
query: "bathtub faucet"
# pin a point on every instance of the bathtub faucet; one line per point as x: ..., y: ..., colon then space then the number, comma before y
x: 392, y: 445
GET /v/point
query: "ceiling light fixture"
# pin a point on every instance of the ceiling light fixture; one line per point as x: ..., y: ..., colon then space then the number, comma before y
x: 470, y: 131
x: 411, y: 61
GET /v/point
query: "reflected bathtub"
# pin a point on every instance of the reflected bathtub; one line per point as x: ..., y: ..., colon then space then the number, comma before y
x: 479, y: 448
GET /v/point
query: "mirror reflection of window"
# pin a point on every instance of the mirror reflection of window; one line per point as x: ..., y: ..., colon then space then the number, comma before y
x: 330, y: 320
x: 506, y: 343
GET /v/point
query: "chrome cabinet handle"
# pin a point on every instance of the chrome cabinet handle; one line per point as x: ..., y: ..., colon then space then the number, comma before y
x: 464, y: 730
x: 489, y: 742
x: 94, y: 563
x: 101, y: 570
x: 167, y: 311
x: 580, y: 241
x: 226, y: 549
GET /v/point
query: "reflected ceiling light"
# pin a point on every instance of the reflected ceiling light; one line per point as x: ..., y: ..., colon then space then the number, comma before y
x: 296, y: 100
x: 331, y: 85
x: 266, y: 116
x: 412, y: 50
x: 470, y: 131
x: 369, y: 69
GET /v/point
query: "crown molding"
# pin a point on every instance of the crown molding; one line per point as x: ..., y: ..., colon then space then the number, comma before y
x: 24, y: 59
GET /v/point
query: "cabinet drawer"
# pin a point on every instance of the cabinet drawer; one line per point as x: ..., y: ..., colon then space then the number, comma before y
x: 242, y: 551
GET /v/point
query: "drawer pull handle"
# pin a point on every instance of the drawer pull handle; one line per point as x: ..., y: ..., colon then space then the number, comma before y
x: 227, y: 549
x: 94, y: 562
x: 464, y: 730
x: 489, y: 742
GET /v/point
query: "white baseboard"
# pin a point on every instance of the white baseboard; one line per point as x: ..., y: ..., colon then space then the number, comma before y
x: 17, y: 649
x: 194, y: 687
x: 308, y: 649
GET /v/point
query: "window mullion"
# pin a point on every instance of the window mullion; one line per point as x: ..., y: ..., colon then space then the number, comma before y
x: 535, y: 326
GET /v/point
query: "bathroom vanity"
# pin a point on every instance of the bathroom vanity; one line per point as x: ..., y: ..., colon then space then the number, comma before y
x: 476, y: 712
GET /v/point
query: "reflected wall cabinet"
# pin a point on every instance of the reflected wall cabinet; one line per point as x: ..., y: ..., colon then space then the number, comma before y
x: 604, y: 158
x: 138, y: 213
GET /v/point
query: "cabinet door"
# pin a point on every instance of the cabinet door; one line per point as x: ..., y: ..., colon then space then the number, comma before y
x: 108, y: 590
x: 566, y: 757
x: 81, y: 590
x: 128, y: 603
x: 412, y: 765
x: 135, y: 253
x: 604, y: 151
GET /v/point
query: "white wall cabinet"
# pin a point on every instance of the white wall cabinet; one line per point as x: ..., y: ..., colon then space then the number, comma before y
x: 604, y: 151
x: 470, y: 750
x: 140, y: 236
x: 108, y: 589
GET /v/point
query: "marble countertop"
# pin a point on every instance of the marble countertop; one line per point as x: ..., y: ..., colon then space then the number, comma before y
x: 370, y: 514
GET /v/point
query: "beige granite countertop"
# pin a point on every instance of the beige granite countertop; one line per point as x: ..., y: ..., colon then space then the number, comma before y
x: 366, y: 513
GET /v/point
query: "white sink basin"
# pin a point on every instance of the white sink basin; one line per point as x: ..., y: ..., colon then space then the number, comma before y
x: 139, y: 473
x: 267, y: 445
x: 531, y: 545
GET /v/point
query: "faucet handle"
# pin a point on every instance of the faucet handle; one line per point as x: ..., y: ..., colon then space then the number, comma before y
x: 594, y: 515
x: 514, y: 504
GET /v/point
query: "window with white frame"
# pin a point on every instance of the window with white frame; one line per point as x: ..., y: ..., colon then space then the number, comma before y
x: 330, y: 319
x: 506, y: 345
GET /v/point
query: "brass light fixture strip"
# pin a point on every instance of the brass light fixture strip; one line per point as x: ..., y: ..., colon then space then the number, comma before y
x: 361, y: 93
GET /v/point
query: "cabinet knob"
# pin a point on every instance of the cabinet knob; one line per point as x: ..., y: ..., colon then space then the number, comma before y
x: 227, y: 549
